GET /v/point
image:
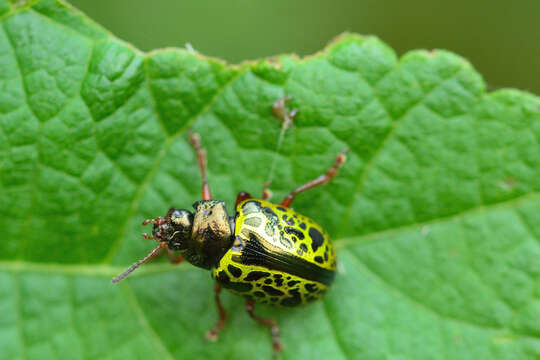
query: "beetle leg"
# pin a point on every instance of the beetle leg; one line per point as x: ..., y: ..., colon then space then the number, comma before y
x: 321, y: 180
x: 280, y: 110
x: 174, y: 258
x: 266, y: 193
x: 195, y: 141
x: 269, y: 323
x: 212, y: 334
x: 242, y: 195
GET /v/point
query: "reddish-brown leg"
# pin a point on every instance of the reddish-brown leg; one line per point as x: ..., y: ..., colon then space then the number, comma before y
x: 174, y: 258
x: 266, y: 193
x: 242, y: 195
x: 321, y: 180
x: 212, y: 334
x: 280, y: 110
x: 195, y: 141
x: 269, y: 323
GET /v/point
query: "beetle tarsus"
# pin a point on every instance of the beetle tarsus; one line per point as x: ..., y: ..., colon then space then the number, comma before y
x: 269, y: 323
x: 321, y: 180
x: 195, y: 141
x: 212, y: 334
x: 280, y: 110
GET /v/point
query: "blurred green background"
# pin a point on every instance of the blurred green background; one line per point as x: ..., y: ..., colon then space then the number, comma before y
x: 500, y: 38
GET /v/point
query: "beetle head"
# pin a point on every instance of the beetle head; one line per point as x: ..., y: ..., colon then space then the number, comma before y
x: 202, y: 237
x: 172, y: 230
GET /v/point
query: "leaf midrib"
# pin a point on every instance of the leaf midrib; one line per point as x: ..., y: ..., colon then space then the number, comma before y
x: 425, y: 308
x: 345, y: 242
x: 131, y: 300
x: 106, y: 270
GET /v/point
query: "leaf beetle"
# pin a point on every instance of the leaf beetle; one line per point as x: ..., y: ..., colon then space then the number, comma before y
x: 267, y: 253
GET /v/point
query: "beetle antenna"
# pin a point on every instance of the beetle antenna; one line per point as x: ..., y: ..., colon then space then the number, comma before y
x: 138, y: 263
x: 280, y: 110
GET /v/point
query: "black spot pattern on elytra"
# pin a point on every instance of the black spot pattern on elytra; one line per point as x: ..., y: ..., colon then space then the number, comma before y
x: 285, y: 242
x: 316, y: 237
x: 259, y: 294
x: 225, y: 281
x: 284, y: 217
x: 292, y: 283
x: 272, y: 291
x: 291, y: 230
x: 223, y: 278
x: 279, y: 282
x: 302, y: 226
x: 303, y: 247
x: 269, y: 213
x: 269, y: 229
x: 281, y: 209
x: 311, y: 287
x: 319, y: 259
x: 256, y: 275
x: 236, y: 272
x: 296, y: 299
x: 255, y: 253
x: 268, y: 281
x: 240, y: 287
x: 290, y: 221
x: 253, y: 221
x: 325, y: 256
x: 250, y: 207
x: 277, y: 276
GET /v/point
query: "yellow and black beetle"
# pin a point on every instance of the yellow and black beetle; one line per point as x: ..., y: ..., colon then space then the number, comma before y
x: 266, y: 252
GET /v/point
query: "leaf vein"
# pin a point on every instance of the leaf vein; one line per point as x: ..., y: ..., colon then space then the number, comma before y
x: 18, y: 309
x: 371, y: 162
x: 159, y: 158
x: 27, y: 222
x: 345, y: 242
x: 333, y: 330
x: 95, y: 270
x: 131, y: 300
x: 426, y: 308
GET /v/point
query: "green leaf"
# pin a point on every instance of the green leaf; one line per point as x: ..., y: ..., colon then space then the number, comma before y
x: 435, y: 216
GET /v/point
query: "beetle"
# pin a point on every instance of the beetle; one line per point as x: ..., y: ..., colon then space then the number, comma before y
x: 266, y: 252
